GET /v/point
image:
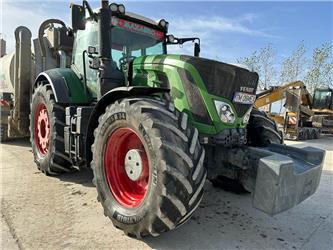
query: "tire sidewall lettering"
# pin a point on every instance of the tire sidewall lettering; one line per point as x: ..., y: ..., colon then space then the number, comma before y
x: 159, y: 211
x: 118, y: 212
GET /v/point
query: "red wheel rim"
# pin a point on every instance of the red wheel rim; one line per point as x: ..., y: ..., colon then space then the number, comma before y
x: 42, y: 129
x: 126, y: 167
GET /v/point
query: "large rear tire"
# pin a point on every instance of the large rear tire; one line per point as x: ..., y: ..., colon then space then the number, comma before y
x: 148, y: 166
x: 47, y: 121
x: 262, y: 130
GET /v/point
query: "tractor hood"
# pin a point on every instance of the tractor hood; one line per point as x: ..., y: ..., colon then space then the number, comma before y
x: 222, y: 79
x: 196, y: 84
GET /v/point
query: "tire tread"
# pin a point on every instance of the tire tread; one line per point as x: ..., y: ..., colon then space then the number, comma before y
x: 183, y: 185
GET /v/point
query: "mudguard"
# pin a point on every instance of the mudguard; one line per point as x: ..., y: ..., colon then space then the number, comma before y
x: 110, y: 97
x: 66, y: 86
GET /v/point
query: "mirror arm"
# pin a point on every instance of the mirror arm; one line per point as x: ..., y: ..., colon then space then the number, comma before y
x: 181, y: 41
x: 184, y: 40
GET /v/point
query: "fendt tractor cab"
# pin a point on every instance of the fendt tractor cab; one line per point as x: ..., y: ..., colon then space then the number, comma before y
x: 154, y: 126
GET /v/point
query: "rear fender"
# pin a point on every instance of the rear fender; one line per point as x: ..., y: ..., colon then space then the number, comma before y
x: 66, y: 86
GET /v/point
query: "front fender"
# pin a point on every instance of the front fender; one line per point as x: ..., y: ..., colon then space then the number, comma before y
x: 110, y: 97
x: 66, y: 86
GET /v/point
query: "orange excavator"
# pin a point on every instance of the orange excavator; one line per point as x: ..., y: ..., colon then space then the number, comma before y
x: 303, y: 117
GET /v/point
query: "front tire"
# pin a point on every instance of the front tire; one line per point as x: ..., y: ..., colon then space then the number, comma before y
x: 166, y: 185
x: 47, y: 121
x: 262, y: 130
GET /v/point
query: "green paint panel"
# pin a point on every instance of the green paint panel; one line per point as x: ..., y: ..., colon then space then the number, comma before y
x: 146, y: 71
x: 75, y: 86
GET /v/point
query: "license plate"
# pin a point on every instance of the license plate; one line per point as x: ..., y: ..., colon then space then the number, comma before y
x: 244, y: 98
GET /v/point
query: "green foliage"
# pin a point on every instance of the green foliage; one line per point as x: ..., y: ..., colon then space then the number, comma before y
x: 314, y: 72
x: 320, y: 72
x: 293, y: 67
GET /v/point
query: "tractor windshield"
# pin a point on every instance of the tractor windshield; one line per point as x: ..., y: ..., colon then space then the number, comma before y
x: 322, y: 99
x: 131, y: 39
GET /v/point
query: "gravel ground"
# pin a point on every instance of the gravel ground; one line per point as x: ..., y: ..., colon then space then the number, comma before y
x: 40, y: 212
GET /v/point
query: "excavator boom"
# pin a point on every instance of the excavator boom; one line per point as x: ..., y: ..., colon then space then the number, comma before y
x: 296, y: 121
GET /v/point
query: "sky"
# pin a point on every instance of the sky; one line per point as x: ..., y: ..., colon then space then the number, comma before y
x: 228, y: 30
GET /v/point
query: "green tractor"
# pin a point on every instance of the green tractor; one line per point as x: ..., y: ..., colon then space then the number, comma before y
x: 154, y: 126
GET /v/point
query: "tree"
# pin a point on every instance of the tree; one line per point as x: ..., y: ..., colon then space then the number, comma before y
x: 293, y: 66
x: 320, y: 72
x: 252, y: 61
x: 268, y: 72
x: 262, y: 61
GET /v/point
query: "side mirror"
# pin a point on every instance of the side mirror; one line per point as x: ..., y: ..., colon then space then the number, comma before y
x: 170, y: 39
x: 196, y: 49
x: 78, y: 17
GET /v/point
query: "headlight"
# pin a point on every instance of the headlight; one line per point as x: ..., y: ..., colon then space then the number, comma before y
x: 113, y: 7
x: 225, y: 112
x: 246, y: 117
x: 171, y: 38
x: 164, y: 24
x: 121, y: 9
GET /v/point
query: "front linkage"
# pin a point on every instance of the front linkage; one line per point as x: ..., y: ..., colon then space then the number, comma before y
x: 278, y: 176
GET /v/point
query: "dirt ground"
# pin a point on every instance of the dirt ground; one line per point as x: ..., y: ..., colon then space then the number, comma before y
x: 40, y: 212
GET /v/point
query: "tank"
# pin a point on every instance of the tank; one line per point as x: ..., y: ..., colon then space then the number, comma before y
x: 7, y: 73
x: 19, y: 69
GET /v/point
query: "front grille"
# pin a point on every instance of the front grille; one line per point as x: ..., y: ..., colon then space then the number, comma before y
x: 223, y: 79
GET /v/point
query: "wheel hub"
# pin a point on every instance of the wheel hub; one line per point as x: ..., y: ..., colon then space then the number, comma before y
x: 126, y: 167
x: 42, y: 129
x: 133, y: 164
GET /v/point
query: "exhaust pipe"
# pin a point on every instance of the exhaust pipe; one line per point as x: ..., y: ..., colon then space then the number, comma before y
x: 22, y: 80
x: 2, y: 47
x: 105, y: 28
x: 62, y: 58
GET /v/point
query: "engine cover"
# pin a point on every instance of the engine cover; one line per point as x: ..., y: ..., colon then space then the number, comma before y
x: 222, y: 79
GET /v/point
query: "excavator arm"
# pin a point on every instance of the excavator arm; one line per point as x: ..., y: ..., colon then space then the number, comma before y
x: 278, y: 93
x: 297, y: 120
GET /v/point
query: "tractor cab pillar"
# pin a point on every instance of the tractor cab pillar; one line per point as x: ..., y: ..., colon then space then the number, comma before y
x: 109, y: 76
